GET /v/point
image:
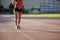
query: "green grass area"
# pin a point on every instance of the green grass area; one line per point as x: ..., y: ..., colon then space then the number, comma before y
x: 44, y: 15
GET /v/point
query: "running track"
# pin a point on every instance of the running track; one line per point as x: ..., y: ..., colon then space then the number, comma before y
x: 32, y: 28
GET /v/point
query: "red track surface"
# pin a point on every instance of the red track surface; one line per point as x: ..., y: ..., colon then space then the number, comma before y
x: 32, y: 28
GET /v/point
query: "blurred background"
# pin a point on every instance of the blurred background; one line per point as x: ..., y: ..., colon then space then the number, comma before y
x: 32, y: 6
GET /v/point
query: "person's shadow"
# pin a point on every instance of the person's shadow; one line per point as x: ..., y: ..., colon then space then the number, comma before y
x: 5, y: 19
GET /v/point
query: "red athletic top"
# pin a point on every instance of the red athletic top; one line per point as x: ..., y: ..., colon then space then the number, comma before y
x: 19, y: 4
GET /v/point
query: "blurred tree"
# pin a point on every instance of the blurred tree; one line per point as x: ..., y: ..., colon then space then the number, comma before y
x: 0, y: 1
x: 32, y: 9
x: 24, y: 10
x: 11, y: 6
x: 1, y: 8
x: 38, y: 9
x: 57, y: 0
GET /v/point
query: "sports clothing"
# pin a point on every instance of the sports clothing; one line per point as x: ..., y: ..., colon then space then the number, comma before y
x: 18, y: 10
x: 19, y: 4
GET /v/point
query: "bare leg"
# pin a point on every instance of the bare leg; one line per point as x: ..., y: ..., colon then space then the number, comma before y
x: 18, y: 19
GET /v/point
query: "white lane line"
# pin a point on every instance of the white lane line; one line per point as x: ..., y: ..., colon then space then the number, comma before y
x: 25, y: 35
x: 20, y: 31
x: 7, y: 15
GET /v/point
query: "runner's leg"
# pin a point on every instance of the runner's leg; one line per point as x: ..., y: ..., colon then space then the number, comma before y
x: 15, y: 18
x: 19, y: 19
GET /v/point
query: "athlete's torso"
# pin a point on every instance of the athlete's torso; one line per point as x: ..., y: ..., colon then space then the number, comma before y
x: 19, y: 4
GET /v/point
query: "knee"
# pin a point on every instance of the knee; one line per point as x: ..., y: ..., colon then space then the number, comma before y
x: 18, y: 17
